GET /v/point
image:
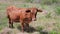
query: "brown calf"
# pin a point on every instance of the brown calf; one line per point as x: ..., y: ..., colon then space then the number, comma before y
x: 22, y: 15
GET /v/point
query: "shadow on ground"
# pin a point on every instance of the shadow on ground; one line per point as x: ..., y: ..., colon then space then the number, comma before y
x: 43, y: 32
x: 32, y: 29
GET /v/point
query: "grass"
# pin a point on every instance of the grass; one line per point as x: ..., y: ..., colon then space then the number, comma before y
x: 53, y: 32
x: 29, y: 1
x: 43, y: 21
x: 58, y: 10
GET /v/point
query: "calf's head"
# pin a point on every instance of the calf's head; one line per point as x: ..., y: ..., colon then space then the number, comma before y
x: 34, y: 15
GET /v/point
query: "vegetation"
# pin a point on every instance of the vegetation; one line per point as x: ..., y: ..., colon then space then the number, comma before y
x: 58, y: 10
x: 29, y: 1
x: 44, y: 21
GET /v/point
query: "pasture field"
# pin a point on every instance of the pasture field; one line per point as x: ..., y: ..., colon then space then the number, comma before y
x: 48, y: 22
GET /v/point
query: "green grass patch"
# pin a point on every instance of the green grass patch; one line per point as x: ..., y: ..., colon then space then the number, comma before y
x: 29, y: 1
x: 57, y: 10
x: 48, y: 15
x: 39, y: 28
x: 52, y: 32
